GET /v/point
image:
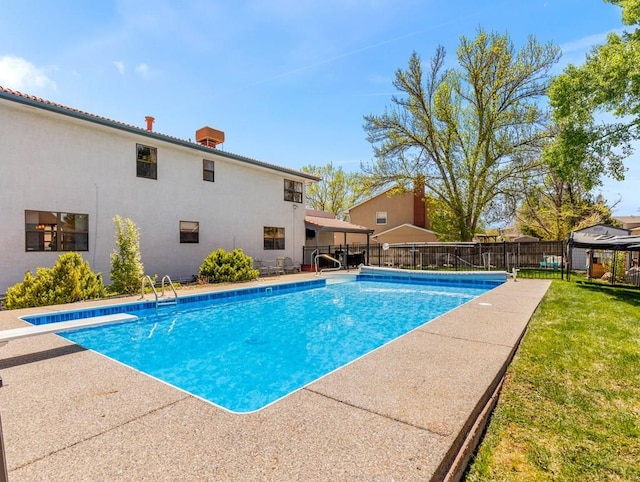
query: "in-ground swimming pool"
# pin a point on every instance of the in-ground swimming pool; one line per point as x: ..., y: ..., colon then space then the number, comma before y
x: 244, y: 355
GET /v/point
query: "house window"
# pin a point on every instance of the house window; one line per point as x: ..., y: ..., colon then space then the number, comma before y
x: 381, y: 217
x: 292, y: 191
x: 208, y: 170
x: 51, y: 231
x: 147, y: 162
x: 273, y: 238
x: 189, y: 232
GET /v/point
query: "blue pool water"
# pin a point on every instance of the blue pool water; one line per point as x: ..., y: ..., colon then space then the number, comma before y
x: 244, y: 355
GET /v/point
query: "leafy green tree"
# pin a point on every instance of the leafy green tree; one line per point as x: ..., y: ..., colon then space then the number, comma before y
x: 70, y: 279
x: 126, y: 262
x: 589, y: 144
x: 337, y: 190
x: 470, y: 133
x: 554, y: 207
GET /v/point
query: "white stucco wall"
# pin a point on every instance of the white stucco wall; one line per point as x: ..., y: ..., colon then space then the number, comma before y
x: 51, y: 162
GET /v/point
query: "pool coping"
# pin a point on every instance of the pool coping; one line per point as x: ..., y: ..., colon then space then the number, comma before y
x: 402, y: 412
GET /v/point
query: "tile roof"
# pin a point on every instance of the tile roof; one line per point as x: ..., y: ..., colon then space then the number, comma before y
x: 335, y: 225
x: 20, y: 97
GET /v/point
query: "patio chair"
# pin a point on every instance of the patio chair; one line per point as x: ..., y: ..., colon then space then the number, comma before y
x: 289, y: 267
x: 277, y: 267
x: 260, y: 266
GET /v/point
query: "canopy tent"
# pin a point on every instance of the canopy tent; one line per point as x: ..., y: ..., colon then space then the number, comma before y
x: 605, y: 242
x: 602, y: 242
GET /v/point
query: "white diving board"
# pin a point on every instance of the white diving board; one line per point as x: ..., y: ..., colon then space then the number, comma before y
x: 16, y: 333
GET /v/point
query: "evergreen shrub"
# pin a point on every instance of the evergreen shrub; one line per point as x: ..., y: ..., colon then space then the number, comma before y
x: 126, y: 264
x: 221, y: 266
x: 70, y: 279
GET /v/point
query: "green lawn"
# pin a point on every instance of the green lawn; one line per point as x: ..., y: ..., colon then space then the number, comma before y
x: 570, y: 406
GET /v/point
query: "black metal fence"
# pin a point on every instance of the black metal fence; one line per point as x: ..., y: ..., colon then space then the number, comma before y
x: 544, y: 259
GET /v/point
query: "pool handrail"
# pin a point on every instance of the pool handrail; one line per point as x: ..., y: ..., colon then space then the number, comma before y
x: 173, y: 288
x: 166, y: 301
x: 330, y: 258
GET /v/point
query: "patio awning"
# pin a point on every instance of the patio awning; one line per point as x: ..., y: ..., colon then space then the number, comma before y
x: 318, y: 223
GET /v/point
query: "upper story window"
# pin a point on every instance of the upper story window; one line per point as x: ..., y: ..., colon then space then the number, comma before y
x: 189, y: 232
x: 147, y: 162
x: 51, y: 231
x: 273, y: 238
x: 292, y: 191
x: 208, y: 170
x: 381, y: 217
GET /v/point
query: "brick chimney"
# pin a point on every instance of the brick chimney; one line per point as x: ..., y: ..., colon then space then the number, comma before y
x: 419, y: 210
x: 207, y: 136
x: 149, y: 120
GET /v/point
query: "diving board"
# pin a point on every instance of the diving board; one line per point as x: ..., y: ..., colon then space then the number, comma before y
x: 16, y: 333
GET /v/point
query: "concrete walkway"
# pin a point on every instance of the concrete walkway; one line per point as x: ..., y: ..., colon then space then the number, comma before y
x: 402, y: 412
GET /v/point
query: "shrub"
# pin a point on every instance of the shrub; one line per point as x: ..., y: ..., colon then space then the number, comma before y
x: 617, y: 260
x: 126, y: 264
x: 221, y: 266
x: 70, y: 279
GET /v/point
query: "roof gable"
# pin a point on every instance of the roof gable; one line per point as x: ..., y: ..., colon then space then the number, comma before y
x: 369, y: 199
x: 602, y: 229
x: 405, y: 226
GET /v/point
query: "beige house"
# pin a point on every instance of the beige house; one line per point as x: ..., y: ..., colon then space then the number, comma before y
x: 632, y: 223
x: 395, y: 219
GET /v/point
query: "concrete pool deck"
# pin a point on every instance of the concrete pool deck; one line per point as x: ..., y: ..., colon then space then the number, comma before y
x: 402, y: 412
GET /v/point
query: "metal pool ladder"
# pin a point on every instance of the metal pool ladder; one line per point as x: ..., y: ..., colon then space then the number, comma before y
x: 160, y: 300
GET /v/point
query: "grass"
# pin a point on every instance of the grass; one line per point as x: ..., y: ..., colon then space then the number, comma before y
x: 570, y: 406
x: 540, y: 273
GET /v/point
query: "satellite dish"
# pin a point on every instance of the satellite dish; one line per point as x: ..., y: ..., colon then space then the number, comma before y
x: 385, y: 246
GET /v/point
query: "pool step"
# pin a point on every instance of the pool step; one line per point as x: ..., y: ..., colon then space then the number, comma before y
x: 166, y: 302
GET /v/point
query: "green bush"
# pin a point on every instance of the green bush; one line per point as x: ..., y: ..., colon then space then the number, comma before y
x: 126, y: 264
x: 70, y: 279
x: 221, y: 266
x: 617, y: 260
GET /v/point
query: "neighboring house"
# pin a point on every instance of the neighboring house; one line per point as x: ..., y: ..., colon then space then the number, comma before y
x: 632, y: 223
x: 584, y: 259
x: 395, y: 219
x: 66, y: 174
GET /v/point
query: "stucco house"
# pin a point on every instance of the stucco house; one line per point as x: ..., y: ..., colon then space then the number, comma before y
x: 395, y: 219
x: 66, y: 174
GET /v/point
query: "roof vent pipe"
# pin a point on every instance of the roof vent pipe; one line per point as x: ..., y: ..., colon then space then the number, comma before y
x: 149, y: 120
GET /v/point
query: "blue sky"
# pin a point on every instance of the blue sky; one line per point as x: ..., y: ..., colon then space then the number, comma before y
x: 288, y: 81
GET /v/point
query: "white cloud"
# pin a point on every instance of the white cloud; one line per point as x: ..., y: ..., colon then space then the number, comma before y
x: 119, y: 65
x: 575, y: 51
x: 143, y: 69
x: 20, y: 74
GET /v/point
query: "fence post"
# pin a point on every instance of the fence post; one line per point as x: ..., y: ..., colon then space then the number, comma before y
x: 504, y: 256
x: 4, y: 477
x: 562, y: 261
